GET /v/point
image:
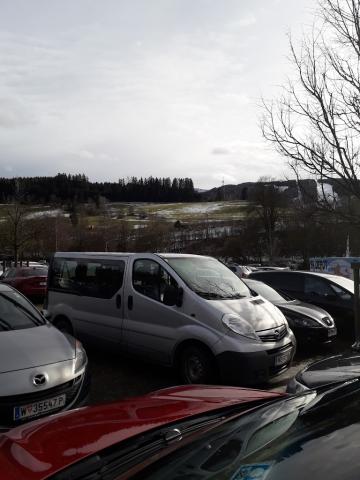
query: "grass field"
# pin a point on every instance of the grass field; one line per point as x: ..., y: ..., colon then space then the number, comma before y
x: 138, y: 213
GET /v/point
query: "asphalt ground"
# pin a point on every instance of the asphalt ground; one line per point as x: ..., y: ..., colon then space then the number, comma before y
x: 115, y: 377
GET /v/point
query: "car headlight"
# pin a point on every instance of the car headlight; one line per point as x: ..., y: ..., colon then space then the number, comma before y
x: 302, y: 321
x: 238, y: 325
x: 81, y: 358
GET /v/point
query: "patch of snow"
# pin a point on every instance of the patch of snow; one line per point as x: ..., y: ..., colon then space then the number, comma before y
x: 45, y: 213
x: 325, y: 191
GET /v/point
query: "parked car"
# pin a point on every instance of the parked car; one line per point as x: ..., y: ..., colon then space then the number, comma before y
x: 185, y: 311
x: 197, y: 432
x: 327, y: 371
x: 269, y: 268
x: 30, y: 281
x: 308, y: 322
x: 240, y: 270
x: 42, y: 370
x: 330, y: 292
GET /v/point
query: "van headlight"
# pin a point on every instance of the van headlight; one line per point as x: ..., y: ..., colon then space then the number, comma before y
x: 81, y: 358
x: 238, y: 325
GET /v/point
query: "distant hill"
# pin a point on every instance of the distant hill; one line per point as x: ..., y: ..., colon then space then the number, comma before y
x: 243, y: 191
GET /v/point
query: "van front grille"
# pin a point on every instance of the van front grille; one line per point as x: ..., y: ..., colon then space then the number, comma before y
x: 273, y: 334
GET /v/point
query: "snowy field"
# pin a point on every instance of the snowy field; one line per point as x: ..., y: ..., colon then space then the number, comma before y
x: 138, y: 214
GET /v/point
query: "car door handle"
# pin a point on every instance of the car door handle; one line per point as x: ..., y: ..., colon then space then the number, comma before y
x: 118, y: 301
x: 130, y: 302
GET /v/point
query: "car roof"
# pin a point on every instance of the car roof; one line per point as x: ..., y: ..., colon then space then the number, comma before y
x: 252, y: 281
x: 328, y: 276
x: 99, y: 427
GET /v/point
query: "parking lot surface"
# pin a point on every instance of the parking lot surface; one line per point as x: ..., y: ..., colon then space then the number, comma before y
x: 115, y: 377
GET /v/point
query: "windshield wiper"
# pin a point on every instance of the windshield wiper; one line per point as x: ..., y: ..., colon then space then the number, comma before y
x: 113, y: 462
x: 326, y: 395
x: 5, y: 325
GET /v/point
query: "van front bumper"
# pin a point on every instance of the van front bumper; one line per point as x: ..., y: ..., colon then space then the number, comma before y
x: 254, y: 368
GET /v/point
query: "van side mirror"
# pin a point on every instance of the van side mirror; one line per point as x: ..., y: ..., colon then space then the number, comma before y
x: 173, y: 296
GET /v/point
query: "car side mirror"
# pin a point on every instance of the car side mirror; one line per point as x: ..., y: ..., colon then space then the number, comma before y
x: 173, y: 296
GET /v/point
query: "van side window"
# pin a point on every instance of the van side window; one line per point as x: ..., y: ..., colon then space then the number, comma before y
x: 151, y: 280
x: 91, y: 278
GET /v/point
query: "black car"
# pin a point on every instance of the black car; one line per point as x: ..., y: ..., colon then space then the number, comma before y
x: 325, y: 372
x: 330, y: 292
x: 313, y: 434
x: 308, y: 322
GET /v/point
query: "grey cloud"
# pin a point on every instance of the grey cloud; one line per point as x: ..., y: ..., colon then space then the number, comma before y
x: 13, y: 114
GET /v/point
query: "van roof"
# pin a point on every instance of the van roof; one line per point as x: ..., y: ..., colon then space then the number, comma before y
x: 125, y: 254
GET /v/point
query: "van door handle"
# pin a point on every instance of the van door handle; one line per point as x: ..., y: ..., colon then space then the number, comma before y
x: 118, y: 301
x: 130, y: 302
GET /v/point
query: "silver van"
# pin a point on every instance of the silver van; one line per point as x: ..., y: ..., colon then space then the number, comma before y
x: 185, y: 311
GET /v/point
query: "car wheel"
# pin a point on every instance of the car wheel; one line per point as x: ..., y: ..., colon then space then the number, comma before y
x: 197, y: 365
x: 63, y: 325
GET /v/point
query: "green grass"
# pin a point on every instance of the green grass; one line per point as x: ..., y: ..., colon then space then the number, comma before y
x: 136, y: 213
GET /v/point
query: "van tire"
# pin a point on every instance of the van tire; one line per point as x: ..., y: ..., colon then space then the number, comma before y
x: 64, y: 325
x: 197, y: 365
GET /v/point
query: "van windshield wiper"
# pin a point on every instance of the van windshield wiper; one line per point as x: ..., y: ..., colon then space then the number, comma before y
x: 218, y: 296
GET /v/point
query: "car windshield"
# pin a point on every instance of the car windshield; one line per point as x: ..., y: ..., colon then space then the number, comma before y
x: 267, y: 292
x: 209, y: 278
x: 17, y: 313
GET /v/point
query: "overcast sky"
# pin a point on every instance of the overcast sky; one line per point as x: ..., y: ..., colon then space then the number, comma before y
x: 116, y: 88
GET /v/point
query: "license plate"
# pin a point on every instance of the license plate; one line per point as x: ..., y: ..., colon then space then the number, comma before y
x: 42, y: 284
x: 283, y: 358
x: 38, y: 408
x: 332, y: 332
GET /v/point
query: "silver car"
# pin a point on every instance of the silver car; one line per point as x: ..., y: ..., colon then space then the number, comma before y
x: 42, y: 370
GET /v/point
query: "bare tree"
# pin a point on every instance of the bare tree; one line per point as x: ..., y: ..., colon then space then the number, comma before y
x: 18, y: 230
x: 315, y: 123
x: 267, y: 205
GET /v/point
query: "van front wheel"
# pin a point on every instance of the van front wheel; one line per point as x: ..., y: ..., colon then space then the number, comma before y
x: 197, y: 365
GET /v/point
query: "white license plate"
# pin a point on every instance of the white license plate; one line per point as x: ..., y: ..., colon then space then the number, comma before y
x: 332, y: 332
x: 283, y: 358
x: 42, y: 284
x: 38, y: 408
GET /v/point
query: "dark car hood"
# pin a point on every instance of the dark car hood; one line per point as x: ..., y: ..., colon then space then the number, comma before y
x: 49, y: 446
x: 330, y: 370
x: 33, y: 347
x: 305, y: 309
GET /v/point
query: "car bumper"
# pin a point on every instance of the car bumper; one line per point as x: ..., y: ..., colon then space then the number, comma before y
x: 254, y: 368
x: 76, y: 391
x: 314, y: 335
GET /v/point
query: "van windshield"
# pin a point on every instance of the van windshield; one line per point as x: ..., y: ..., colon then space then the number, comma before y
x: 209, y: 278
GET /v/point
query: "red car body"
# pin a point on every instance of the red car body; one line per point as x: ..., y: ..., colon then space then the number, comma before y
x: 44, y: 447
x: 30, y: 281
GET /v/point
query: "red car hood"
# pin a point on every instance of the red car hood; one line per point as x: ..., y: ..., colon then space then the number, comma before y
x: 43, y: 447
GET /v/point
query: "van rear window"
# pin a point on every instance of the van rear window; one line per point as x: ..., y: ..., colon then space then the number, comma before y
x: 92, y: 278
